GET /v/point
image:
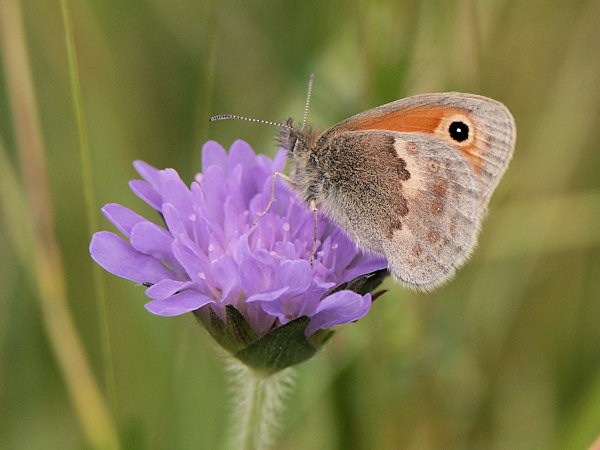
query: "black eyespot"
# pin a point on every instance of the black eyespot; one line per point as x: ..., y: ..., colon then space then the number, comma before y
x: 459, y: 131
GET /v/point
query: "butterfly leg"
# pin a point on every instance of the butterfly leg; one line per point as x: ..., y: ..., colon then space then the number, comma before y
x: 272, y: 198
x: 313, y: 206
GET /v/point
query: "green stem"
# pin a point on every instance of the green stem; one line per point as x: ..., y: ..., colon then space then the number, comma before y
x: 257, y: 401
x: 252, y: 429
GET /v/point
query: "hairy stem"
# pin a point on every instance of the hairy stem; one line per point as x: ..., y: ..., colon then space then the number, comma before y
x: 257, y: 401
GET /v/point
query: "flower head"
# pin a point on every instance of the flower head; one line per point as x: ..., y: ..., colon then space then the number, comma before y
x: 218, y: 257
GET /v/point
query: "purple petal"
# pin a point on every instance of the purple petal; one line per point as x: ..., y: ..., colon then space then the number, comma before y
x: 166, y: 288
x: 241, y: 153
x: 236, y: 217
x: 177, y: 304
x: 147, y: 193
x: 175, y: 192
x: 337, y: 309
x: 213, y: 155
x: 150, y: 239
x: 274, y: 165
x: 173, y: 221
x: 267, y: 296
x: 279, y: 160
x: 117, y: 256
x: 363, y: 265
x: 225, y: 271
x: 121, y: 217
x: 339, y: 251
x: 295, y: 275
x: 148, y: 173
x: 195, y: 263
x: 213, y: 191
x: 254, y: 275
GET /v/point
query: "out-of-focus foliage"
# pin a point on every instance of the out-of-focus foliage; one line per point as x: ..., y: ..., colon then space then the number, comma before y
x: 507, y: 355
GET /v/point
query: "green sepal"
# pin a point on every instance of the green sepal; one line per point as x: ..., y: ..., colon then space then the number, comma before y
x: 216, y: 328
x: 320, y: 337
x: 232, y: 334
x: 370, y: 282
x: 280, y: 348
x: 237, y: 327
x: 363, y: 284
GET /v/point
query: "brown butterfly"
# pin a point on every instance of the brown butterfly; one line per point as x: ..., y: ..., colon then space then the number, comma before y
x: 410, y: 180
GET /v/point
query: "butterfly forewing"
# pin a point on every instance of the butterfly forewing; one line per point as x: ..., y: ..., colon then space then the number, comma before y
x: 491, y: 129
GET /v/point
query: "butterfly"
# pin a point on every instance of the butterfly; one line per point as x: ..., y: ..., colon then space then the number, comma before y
x: 410, y: 180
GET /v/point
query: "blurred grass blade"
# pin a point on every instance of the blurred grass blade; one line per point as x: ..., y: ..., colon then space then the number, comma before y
x: 14, y: 211
x: 45, y: 262
x: 584, y: 425
x: 91, y: 207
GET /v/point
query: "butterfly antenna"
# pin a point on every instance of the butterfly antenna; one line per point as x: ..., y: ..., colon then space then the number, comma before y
x: 310, y: 83
x: 287, y: 126
x: 249, y: 119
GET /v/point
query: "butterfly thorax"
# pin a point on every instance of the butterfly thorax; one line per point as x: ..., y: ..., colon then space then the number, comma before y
x: 302, y: 154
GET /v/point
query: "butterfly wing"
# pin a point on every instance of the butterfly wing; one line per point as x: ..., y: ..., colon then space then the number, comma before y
x: 440, y: 229
x: 491, y: 135
x: 412, y: 179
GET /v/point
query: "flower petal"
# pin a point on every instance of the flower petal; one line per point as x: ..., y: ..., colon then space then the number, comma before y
x: 194, y: 262
x: 151, y: 174
x: 146, y: 192
x: 175, y: 192
x: 213, y: 192
x: 241, y: 153
x: 177, y: 304
x: 213, y: 155
x: 255, y: 275
x: 118, y: 257
x: 337, y: 309
x: 150, y: 239
x: 226, y: 273
x: 121, y: 217
x: 279, y: 160
x: 167, y: 288
x: 173, y: 221
x: 267, y: 296
x: 295, y: 275
x: 364, y: 264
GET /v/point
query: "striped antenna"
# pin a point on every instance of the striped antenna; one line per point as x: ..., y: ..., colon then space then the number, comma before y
x: 310, y: 83
x: 266, y: 122
x: 249, y: 119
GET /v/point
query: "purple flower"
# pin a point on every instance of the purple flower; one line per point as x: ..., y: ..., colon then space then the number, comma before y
x: 215, y: 250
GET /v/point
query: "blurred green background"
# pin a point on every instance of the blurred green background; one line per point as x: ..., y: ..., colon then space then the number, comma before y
x: 507, y: 355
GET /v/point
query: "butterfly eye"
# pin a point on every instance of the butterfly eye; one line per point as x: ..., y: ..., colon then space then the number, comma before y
x: 459, y: 131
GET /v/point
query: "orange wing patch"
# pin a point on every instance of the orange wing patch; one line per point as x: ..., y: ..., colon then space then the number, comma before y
x: 433, y: 120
